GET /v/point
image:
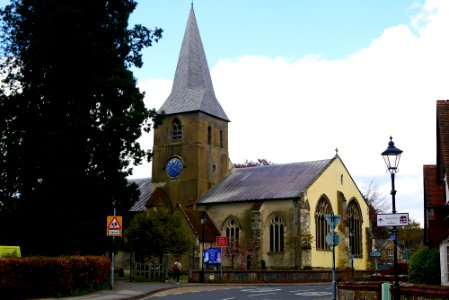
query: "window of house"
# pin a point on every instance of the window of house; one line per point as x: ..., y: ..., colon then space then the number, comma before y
x: 277, y: 234
x: 221, y: 138
x: 232, y: 233
x: 176, y: 130
x: 209, y: 135
x: 323, y: 208
x: 355, y: 227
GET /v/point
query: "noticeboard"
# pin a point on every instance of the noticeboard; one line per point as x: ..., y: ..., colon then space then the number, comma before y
x: 221, y: 241
x: 212, y: 256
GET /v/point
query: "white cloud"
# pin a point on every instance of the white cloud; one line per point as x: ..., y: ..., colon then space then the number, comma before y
x: 288, y: 111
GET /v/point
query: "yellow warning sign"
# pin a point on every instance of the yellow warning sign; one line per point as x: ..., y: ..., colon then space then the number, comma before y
x: 114, y: 226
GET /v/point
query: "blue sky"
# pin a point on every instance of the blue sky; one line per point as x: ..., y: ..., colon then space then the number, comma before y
x: 287, y: 28
x: 300, y: 78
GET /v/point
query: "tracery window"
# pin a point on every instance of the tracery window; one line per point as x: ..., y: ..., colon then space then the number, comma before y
x: 176, y: 130
x: 232, y: 233
x: 323, y: 208
x: 276, y: 234
x: 355, y: 227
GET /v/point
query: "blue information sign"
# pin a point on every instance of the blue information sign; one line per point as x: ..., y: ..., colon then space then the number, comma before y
x: 212, y: 256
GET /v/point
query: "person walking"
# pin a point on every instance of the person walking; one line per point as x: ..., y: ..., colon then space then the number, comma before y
x: 176, y: 270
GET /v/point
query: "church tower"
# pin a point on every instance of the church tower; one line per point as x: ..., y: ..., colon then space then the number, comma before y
x: 191, y: 145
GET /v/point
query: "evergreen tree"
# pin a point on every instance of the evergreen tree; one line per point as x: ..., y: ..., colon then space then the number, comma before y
x: 70, y: 117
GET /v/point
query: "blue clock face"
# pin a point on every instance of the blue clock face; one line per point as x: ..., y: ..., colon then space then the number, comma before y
x: 174, y: 167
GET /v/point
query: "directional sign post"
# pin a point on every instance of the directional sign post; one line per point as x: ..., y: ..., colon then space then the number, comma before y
x: 334, y: 240
x: 396, y: 219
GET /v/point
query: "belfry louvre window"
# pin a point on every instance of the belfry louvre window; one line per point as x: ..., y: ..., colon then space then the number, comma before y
x: 355, y: 227
x: 276, y: 235
x: 323, y: 208
x: 176, y: 130
x: 232, y: 233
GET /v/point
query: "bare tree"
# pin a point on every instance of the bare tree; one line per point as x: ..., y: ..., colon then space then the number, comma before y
x: 377, y: 203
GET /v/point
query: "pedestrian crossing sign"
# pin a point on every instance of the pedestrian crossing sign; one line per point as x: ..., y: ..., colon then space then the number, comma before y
x: 114, y: 226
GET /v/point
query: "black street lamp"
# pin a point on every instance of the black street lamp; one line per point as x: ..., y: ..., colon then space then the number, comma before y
x: 392, y: 156
x: 203, y: 220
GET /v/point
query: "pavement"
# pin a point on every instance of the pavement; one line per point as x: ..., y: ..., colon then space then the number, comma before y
x: 126, y: 290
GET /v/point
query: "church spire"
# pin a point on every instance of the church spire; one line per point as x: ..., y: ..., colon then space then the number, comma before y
x: 192, y: 88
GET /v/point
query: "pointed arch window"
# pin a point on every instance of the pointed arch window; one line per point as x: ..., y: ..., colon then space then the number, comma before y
x: 355, y: 228
x: 277, y: 234
x: 323, y: 208
x: 176, y: 130
x: 232, y: 233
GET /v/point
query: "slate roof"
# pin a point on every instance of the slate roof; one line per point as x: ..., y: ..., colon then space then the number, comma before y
x: 281, y: 181
x: 192, y: 88
x: 144, y: 185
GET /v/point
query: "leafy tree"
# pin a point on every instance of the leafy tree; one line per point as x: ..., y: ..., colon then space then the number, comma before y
x: 412, y: 235
x: 241, y: 253
x: 424, y: 266
x: 154, y: 233
x: 70, y: 118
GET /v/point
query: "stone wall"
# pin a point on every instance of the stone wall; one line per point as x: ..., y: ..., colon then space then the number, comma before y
x: 237, y: 276
x: 371, y: 290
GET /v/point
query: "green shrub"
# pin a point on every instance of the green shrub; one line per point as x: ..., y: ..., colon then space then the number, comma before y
x: 424, y: 267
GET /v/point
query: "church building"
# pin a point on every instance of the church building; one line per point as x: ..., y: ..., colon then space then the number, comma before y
x: 273, y: 216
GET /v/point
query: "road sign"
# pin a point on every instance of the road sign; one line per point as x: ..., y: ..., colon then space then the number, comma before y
x: 333, y: 238
x: 396, y: 219
x: 333, y: 220
x: 375, y: 254
x: 114, y: 226
x: 221, y: 241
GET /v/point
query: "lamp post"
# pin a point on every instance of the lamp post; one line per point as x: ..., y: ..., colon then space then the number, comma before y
x: 392, y: 156
x: 203, y: 220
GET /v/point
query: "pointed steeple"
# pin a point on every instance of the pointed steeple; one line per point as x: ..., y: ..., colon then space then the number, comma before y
x: 192, y: 88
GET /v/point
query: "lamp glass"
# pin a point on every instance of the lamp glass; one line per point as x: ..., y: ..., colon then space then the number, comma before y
x: 392, y: 156
x: 203, y: 217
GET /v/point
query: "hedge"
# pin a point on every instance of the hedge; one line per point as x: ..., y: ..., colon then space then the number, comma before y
x: 33, y: 277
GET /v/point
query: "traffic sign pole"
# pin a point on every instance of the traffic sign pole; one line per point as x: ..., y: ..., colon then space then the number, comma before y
x: 333, y: 221
x: 113, y: 258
